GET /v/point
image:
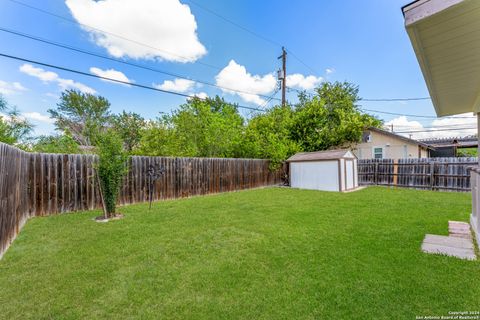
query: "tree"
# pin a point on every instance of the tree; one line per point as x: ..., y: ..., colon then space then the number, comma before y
x: 467, y: 152
x: 13, y: 127
x: 158, y: 139
x: 111, y: 168
x: 209, y: 128
x: 129, y: 125
x: 330, y: 118
x: 199, y: 128
x: 268, y: 136
x: 81, y: 115
x: 56, y: 144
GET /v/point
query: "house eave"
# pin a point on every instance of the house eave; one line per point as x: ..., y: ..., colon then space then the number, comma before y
x: 444, y: 34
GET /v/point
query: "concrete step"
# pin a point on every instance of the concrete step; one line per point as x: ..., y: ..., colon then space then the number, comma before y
x: 461, y: 235
x: 458, y: 223
x: 448, y: 241
x: 460, y: 253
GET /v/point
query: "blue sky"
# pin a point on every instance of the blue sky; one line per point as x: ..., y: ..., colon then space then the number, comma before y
x: 363, y: 42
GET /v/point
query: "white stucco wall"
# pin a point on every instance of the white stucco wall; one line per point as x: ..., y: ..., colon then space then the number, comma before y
x: 315, y: 175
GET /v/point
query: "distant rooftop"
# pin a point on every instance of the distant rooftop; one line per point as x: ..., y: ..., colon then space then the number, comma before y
x: 461, y: 142
x: 449, y: 139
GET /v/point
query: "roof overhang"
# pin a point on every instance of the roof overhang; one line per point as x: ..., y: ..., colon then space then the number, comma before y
x: 445, y: 35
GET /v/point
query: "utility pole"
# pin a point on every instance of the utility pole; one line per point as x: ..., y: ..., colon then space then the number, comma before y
x: 283, y: 75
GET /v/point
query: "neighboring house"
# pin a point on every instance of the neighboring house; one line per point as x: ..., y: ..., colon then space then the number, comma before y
x: 380, y: 144
x: 448, y: 147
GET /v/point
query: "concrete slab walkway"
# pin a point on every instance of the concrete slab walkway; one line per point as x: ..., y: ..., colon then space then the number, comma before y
x: 458, y: 244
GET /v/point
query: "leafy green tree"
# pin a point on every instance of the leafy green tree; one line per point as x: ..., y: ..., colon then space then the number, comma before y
x: 56, y: 144
x: 209, y: 128
x: 111, y: 168
x: 14, y: 129
x: 81, y: 115
x: 467, y: 152
x: 158, y: 139
x: 129, y: 125
x: 330, y: 118
x: 268, y: 136
x: 199, y: 128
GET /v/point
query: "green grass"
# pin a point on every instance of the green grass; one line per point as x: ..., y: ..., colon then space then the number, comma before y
x: 261, y: 254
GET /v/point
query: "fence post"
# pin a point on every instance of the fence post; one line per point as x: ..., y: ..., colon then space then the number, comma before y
x: 432, y: 175
x: 375, y: 179
x: 395, y: 172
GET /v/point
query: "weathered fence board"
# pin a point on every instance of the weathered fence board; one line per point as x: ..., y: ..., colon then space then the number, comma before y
x: 35, y: 184
x: 446, y: 174
x: 14, y: 193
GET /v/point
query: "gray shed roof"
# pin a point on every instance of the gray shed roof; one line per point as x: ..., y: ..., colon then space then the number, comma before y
x: 322, y: 155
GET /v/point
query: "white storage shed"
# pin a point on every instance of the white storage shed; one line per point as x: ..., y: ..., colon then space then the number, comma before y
x: 334, y: 170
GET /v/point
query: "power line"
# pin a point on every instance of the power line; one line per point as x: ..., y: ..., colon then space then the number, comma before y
x: 271, y: 98
x: 234, y: 23
x: 397, y: 99
x: 439, y: 130
x: 264, y: 105
x: 276, y: 43
x: 368, y: 99
x: 110, y: 33
x: 301, y: 61
x: 68, y: 47
x: 114, y: 80
x: 414, y: 115
x: 186, y: 95
x: 390, y: 113
x: 413, y: 127
x: 154, y: 48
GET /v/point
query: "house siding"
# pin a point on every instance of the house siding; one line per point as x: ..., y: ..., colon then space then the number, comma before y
x: 392, y: 148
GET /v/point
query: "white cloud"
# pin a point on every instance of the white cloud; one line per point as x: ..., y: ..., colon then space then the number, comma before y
x: 7, y: 88
x: 403, y: 124
x: 201, y: 95
x: 329, y: 70
x: 18, y: 86
x: 37, y: 117
x: 70, y: 84
x: 235, y: 76
x: 163, y: 29
x: 438, y: 128
x: 300, y: 81
x: 177, y: 85
x: 49, y: 76
x: 45, y: 76
x: 458, y: 120
x: 112, y: 74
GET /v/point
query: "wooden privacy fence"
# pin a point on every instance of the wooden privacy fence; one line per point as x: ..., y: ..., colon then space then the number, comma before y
x: 448, y: 174
x: 37, y: 184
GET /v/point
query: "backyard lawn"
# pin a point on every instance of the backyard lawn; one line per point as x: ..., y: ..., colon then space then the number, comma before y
x: 272, y: 253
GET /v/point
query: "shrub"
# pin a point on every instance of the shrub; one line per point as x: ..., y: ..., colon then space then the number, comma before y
x: 111, y: 168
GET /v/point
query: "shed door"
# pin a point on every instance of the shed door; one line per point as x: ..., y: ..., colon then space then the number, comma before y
x: 349, y: 174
